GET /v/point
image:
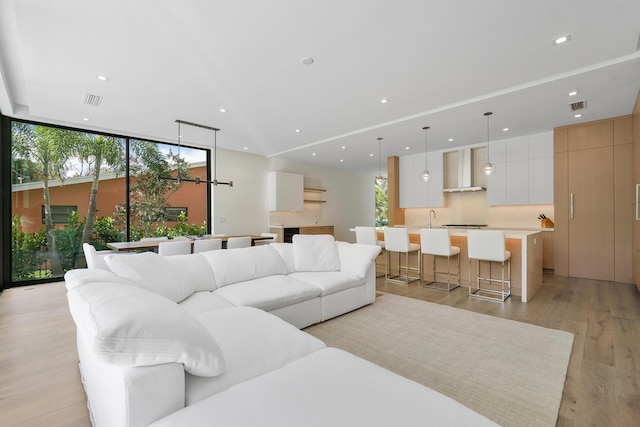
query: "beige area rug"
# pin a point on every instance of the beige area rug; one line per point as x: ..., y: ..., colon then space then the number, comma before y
x: 508, y: 371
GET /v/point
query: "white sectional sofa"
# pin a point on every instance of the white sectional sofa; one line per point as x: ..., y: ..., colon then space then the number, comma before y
x: 213, y: 339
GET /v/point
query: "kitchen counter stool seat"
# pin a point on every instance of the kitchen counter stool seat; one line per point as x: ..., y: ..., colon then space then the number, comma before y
x: 396, y: 240
x: 490, y: 246
x: 368, y: 236
x: 437, y: 242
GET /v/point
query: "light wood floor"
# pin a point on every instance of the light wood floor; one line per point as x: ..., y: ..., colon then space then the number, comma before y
x: 40, y: 384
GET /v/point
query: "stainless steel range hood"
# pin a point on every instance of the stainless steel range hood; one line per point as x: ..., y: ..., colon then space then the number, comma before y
x: 465, y: 172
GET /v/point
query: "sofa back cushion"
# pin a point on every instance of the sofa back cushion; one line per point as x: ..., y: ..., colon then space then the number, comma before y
x: 126, y: 325
x: 286, y: 253
x: 152, y: 272
x: 195, y: 269
x: 239, y: 265
x: 81, y: 276
x: 356, y: 258
x: 315, y: 253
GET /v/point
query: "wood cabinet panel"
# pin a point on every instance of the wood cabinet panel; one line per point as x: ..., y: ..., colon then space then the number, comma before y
x: 591, y: 227
x: 561, y: 211
x: 624, y: 212
x: 320, y: 229
x: 590, y: 135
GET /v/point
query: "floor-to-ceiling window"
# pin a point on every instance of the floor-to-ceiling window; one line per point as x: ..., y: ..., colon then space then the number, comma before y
x: 71, y: 186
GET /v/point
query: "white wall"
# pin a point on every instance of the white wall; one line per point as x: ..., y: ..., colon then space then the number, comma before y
x: 243, y: 209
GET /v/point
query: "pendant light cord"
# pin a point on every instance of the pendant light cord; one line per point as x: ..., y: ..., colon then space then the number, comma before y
x: 425, y: 147
x: 488, y: 114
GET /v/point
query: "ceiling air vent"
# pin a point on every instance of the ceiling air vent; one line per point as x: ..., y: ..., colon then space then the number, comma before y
x: 91, y: 99
x: 578, y: 105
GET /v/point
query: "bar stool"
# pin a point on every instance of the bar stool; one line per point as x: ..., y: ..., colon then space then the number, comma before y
x: 437, y: 242
x: 397, y: 240
x: 489, y: 245
x: 368, y: 236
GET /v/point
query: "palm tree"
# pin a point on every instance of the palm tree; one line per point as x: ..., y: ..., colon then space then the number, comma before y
x: 50, y: 148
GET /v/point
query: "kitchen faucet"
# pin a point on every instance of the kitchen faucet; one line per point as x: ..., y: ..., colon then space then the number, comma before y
x: 434, y: 216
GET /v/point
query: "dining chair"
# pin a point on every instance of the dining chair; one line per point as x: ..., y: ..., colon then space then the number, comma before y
x: 437, y: 242
x: 181, y: 247
x: 396, y: 240
x: 273, y: 238
x: 95, y: 258
x: 238, y: 242
x: 490, y: 246
x: 203, y: 245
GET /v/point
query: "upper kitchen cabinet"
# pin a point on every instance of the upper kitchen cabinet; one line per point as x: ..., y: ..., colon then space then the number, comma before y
x: 414, y: 192
x: 524, y: 171
x: 286, y: 191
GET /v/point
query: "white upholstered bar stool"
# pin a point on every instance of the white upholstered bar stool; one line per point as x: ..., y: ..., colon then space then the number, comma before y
x: 203, y: 245
x: 397, y: 240
x: 238, y: 242
x: 489, y: 245
x: 368, y: 236
x: 437, y: 242
x: 181, y: 247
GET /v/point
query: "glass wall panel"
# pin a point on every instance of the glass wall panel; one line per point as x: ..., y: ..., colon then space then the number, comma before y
x: 72, y: 186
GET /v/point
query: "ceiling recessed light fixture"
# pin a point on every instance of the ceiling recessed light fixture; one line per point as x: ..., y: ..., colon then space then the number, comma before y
x: 505, y: 129
x: 573, y: 93
x: 86, y: 119
x: 407, y: 148
x: 384, y: 101
x: 341, y: 160
x: 298, y: 131
x: 577, y: 116
x: 344, y: 147
x: 313, y: 154
x: 371, y: 155
x: 102, y: 78
x: 307, y: 60
x: 450, y: 139
x: 223, y: 110
x: 246, y: 148
x: 562, y: 39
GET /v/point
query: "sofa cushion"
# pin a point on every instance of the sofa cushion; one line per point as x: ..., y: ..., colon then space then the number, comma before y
x: 329, y: 282
x: 193, y: 268
x: 126, y: 325
x: 315, y: 253
x: 267, y: 343
x: 152, y: 272
x: 203, y: 301
x: 81, y: 276
x: 356, y: 258
x: 269, y: 293
x: 286, y: 253
x: 238, y: 265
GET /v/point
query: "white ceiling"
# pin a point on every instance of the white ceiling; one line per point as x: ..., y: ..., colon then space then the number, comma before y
x: 441, y: 64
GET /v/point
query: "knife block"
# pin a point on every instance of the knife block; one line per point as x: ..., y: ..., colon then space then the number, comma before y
x: 546, y: 223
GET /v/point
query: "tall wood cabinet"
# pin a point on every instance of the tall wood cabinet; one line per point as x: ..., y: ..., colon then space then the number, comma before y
x: 593, y: 200
x: 636, y: 190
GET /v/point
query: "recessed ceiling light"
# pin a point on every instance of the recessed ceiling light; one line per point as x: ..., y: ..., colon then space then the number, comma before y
x: 307, y: 60
x: 371, y: 155
x: 341, y: 160
x: 562, y: 39
x: 246, y: 148
x: 298, y: 131
x: 384, y: 101
x: 102, y: 78
x: 313, y: 154
x: 86, y: 119
x: 407, y: 148
x: 505, y: 129
x: 577, y: 116
x: 573, y: 93
x: 344, y: 147
x: 223, y: 110
x: 450, y: 139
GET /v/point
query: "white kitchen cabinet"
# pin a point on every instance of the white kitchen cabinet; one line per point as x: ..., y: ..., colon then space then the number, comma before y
x: 414, y: 192
x: 286, y: 191
x: 525, y: 176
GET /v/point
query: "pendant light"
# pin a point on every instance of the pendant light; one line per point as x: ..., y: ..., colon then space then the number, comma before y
x: 197, y: 180
x: 488, y: 168
x: 426, y: 175
x: 379, y: 178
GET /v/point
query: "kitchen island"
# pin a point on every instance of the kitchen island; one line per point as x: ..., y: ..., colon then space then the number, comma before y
x: 526, y: 259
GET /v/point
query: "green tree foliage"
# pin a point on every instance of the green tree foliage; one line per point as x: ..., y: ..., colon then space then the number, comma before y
x: 382, y: 203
